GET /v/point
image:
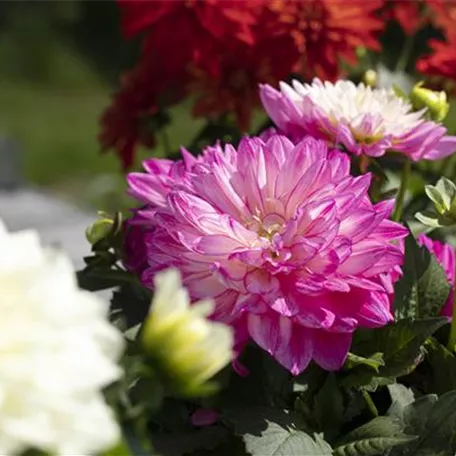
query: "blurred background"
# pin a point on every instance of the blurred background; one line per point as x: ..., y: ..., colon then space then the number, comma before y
x: 60, y: 62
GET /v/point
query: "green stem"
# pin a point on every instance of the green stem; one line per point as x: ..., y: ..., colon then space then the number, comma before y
x: 452, y: 339
x: 370, y: 403
x: 166, y: 142
x: 402, y: 190
x: 404, y: 58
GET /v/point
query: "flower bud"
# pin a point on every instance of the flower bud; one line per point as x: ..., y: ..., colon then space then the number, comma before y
x: 435, y: 102
x: 100, y: 229
x: 370, y: 78
x: 188, y: 348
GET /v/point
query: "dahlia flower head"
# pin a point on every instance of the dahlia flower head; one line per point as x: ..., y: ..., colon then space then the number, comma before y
x: 58, y: 351
x: 281, y: 236
x: 445, y: 255
x: 365, y: 121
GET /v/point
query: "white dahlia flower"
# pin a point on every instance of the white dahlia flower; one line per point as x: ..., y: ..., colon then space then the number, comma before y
x: 57, y: 352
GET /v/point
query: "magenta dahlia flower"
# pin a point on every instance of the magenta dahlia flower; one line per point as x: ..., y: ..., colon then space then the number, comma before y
x: 365, y: 121
x: 445, y: 256
x: 281, y: 236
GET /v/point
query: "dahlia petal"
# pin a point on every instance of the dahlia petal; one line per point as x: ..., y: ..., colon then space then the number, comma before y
x: 358, y: 224
x: 280, y: 109
x: 445, y: 147
x: 340, y: 164
x: 364, y: 256
x: 157, y: 165
x: 298, y: 354
x: 279, y: 146
x: 392, y: 256
x: 260, y: 282
x: 272, y: 333
x: 330, y: 349
x: 148, y: 188
x: 216, y: 244
x: 388, y: 230
x: 375, y: 313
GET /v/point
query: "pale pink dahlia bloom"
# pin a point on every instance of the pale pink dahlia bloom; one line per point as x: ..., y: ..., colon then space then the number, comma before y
x: 445, y: 256
x: 283, y: 238
x: 364, y: 120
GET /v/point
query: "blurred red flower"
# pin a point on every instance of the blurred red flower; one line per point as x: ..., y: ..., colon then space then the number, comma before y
x: 406, y: 12
x: 125, y: 124
x: 221, y: 50
x: 326, y: 30
x: 443, y: 15
x: 180, y: 32
x: 228, y: 82
x: 442, y: 61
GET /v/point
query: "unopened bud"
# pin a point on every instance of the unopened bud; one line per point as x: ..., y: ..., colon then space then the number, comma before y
x: 370, y: 78
x: 188, y: 348
x: 435, y: 102
x: 99, y: 230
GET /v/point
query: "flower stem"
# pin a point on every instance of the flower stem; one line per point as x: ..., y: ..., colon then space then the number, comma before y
x: 404, y: 57
x: 452, y: 339
x: 165, y: 141
x: 370, y: 403
x: 397, y: 214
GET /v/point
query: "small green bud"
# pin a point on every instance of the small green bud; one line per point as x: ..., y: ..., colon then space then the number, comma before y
x: 370, y: 78
x: 99, y: 230
x: 435, y: 102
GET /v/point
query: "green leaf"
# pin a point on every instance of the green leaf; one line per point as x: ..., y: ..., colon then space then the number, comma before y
x: 434, y: 421
x: 401, y: 345
x: 423, y: 289
x: 375, y: 361
x: 96, y: 280
x: 376, y: 437
x: 274, y: 432
x: 329, y: 407
x: 442, y: 375
x: 429, y: 218
x: 447, y: 190
x: 439, y: 200
x: 401, y: 397
x: 278, y: 382
x: 129, y: 306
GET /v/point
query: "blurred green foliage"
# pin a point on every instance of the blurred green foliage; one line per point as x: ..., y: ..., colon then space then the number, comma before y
x: 60, y: 62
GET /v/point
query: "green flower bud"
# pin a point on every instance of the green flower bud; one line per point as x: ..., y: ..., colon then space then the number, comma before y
x: 99, y: 229
x: 188, y: 348
x: 435, y: 102
x: 370, y: 78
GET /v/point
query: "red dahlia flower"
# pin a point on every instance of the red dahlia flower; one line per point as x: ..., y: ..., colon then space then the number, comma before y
x: 124, y: 124
x: 228, y: 81
x: 179, y: 32
x: 324, y: 30
x: 405, y: 12
x: 442, y: 62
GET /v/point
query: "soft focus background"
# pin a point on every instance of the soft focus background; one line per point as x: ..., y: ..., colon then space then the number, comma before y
x: 60, y: 64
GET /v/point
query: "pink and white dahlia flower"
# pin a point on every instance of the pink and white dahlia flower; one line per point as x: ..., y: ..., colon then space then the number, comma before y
x: 364, y: 120
x: 281, y: 236
x: 445, y: 256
